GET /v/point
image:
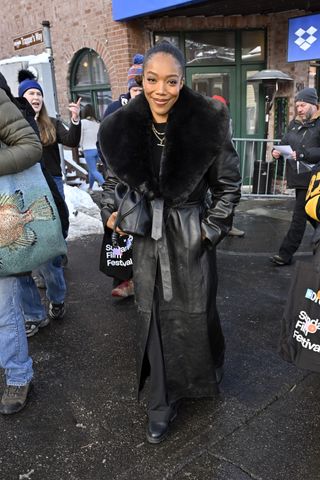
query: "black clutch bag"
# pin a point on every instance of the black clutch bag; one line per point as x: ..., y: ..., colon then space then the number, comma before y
x: 133, y: 211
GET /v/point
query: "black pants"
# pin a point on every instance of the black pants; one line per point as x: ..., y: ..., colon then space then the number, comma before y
x: 293, y: 238
x: 159, y: 405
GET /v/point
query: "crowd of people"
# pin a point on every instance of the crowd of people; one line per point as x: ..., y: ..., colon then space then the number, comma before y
x: 184, y: 173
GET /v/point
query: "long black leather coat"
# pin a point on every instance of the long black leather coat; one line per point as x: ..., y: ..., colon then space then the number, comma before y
x: 198, y: 156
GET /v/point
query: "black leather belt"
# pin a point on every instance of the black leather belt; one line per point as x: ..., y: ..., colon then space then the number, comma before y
x: 158, y: 233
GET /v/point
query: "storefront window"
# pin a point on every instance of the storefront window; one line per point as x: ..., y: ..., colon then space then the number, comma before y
x: 82, y: 76
x: 90, y: 81
x: 210, y: 84
x: 210, y: 48
x: 103, y: 99
x: 219, y: 62
x: 98, y: 70
x: 253, y: 46
x: 172, y: 38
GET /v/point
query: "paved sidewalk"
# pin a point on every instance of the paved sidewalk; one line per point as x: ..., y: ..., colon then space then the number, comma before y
x: 83, y: 421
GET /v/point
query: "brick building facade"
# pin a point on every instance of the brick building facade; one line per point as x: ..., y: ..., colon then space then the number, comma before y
x: 75, y: 25
x: 79, y: 24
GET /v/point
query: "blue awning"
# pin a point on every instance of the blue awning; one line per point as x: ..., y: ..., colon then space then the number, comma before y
x: 128, y: 9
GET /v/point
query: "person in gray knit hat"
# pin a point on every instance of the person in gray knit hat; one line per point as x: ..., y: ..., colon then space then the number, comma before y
x: 307, y: 95
x: 303, y: 135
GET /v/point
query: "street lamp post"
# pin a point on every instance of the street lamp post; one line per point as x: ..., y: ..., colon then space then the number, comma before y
x: 270, y: 80
x: 49, y: 51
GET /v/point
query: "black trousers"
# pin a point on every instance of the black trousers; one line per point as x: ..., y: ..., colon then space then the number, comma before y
x: 159, y: 408
x: 294, y: 236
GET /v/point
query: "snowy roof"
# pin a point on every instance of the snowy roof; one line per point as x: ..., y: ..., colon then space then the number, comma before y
x: 33, y: 59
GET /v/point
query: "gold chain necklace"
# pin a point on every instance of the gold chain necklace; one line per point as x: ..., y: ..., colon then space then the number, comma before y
x: 158, y: 136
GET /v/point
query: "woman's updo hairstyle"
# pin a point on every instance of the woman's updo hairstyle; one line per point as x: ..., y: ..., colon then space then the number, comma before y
x: 168, y: 48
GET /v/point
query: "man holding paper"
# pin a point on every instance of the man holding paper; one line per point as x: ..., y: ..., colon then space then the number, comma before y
x: 301, y: 147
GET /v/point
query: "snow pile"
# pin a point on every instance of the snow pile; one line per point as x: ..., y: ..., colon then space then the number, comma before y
x: 84, y: 214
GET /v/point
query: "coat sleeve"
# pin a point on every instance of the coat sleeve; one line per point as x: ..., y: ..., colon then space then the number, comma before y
x: 71, y: 137
x: 82, y: 134
x: 224, y: 193
x: 308, y: 153
x: 106, y: 199
x: 22, y: 148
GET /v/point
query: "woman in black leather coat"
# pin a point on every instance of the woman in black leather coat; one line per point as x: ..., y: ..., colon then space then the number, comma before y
x: 177, y: 146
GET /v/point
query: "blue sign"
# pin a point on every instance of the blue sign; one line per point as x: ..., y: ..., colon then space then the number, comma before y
x: 126, y: 9
x: 304, y: 38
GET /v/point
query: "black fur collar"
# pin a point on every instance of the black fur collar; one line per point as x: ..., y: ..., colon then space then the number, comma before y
x: 195, y: 131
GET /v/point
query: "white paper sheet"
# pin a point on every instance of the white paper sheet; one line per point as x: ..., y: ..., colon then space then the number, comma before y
x: 285, y: 150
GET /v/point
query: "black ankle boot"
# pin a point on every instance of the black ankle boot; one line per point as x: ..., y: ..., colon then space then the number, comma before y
x: 157, y: 431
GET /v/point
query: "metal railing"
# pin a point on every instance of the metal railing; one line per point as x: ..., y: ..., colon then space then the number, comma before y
x: 261, y: 174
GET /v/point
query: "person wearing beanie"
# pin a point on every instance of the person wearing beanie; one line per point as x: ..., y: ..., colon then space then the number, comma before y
x: 27, y: 85
x: 134, y: 85
x: 303, y: 136
x: 20, y: 148
x: 220, y: 99
x: 307, y: 95
x: 125, y: 288
x: 135, y: 76
x: 52, y: 133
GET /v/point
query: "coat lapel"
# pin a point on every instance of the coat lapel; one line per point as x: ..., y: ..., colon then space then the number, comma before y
x: 196, y: 129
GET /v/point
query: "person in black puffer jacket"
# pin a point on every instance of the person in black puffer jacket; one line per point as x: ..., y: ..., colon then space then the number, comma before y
x: 303, y: 135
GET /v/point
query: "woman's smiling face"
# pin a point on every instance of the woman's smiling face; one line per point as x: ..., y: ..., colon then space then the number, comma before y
x: 162, y: 82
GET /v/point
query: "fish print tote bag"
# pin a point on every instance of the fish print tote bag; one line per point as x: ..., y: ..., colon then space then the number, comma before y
x: 30, y: 228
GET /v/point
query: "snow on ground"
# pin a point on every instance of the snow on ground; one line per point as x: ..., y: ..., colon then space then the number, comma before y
x: 84, y: 214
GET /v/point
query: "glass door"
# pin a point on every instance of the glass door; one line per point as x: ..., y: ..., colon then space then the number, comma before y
x: 246, y: 104
x: 210, y: 81
x: 254, y: 171
x: 252, y: 111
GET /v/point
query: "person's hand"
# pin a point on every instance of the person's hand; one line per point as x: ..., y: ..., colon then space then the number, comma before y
x: 111, y: 221
x: 75, y: 110
x: 294, y: 155
x: 276, y: 154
